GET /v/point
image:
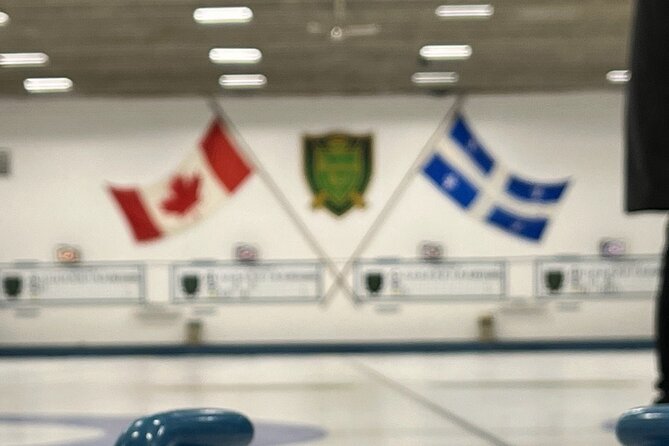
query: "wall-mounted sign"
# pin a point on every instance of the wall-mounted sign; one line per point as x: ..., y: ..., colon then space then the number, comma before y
x: 431, y: 251
x: 5, y: 164
x: 587, y: 276
x: 338, y: 168
x: 219, y: 282
x: 612, y: 247
x: 68, y: 254
x: 412, y: 280
x: 81, y: 283
x: 246, y: 252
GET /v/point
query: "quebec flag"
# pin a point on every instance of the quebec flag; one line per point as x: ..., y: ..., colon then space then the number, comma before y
x: 465, y: 171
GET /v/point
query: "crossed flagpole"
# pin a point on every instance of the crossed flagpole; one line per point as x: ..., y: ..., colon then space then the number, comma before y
x: 394, y: 198
x: 284, y: 203
x: 340, y: 275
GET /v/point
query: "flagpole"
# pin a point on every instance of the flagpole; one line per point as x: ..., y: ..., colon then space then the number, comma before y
x: 396, y: 195
x: 285, y: 204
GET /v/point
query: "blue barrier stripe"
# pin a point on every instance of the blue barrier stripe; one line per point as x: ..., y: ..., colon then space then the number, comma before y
x: 326, y: 348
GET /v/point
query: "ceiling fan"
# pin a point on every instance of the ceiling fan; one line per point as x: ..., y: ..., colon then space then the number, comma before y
x: 339, y: 30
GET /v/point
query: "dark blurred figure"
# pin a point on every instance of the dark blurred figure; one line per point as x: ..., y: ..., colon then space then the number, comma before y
x: 648, y: 147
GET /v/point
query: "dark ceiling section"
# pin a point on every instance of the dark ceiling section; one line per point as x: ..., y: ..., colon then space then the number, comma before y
x: 154, y: 47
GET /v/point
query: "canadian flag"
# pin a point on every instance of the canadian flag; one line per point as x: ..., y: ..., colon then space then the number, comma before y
x: 198, y: 186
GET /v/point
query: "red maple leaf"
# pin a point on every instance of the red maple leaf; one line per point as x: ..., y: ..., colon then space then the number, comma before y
x: 184, y: 195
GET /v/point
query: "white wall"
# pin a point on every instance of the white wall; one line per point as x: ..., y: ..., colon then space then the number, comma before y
x: 65, y: 151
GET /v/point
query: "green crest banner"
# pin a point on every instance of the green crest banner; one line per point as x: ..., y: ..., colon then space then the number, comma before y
x: 338, y: 168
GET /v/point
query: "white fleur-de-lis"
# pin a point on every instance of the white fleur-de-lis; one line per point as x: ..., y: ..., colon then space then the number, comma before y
x: 517, y: 226
x: 450, y: 182
x: 537, y: 192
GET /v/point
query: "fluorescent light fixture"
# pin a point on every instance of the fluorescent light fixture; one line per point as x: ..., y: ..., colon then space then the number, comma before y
x: 435, y: 78
x: 235, y: 55
x: 446, y: 52
x: 464, y: 11
x: 240, y: 14
x: 619, y: 76
x: 4, y: 18
x: 47, y: 84
x: 23, y: 59
x: 242, y: 81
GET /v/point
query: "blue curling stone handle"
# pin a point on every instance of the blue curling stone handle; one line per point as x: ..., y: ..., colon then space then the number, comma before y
x: 189, y: 427
x: 644, y: 426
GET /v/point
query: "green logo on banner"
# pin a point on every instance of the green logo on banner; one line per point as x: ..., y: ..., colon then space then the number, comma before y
x: 338, y: 168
